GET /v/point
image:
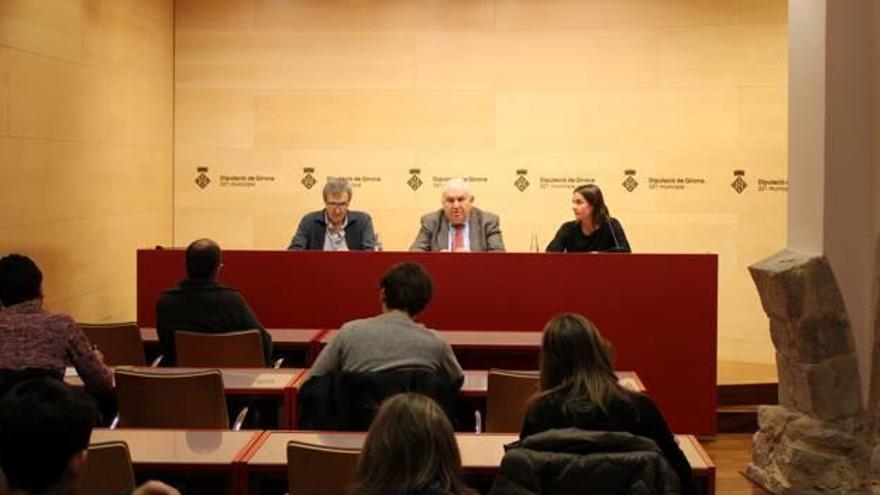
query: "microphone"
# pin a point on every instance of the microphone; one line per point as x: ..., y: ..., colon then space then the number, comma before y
x: 617, y: 248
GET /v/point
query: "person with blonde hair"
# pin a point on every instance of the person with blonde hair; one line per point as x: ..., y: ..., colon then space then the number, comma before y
x: 410, y: 450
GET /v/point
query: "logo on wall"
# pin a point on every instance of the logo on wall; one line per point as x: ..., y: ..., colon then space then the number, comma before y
x: 630, y: 183
x: 739, y: 184
x: 308, y: 180
x: 202, y: 179
x: 414, y: 182
x: 521, y: 182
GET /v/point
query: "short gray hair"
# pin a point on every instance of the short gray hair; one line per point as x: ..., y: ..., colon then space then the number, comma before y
x: 337, y: 186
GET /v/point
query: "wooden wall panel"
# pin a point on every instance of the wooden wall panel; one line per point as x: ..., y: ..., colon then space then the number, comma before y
x: 86, y: 144
x: 272, y: 93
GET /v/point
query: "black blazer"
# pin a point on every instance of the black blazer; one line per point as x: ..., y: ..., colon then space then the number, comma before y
x: 207, y: 307
x: 359, y: 234
x: 348, y: 401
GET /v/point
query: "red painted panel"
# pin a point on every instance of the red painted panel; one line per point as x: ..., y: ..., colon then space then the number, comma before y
x: 659, y: 310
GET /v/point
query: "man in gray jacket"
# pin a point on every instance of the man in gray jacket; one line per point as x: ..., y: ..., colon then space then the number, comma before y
x: 459, y: 226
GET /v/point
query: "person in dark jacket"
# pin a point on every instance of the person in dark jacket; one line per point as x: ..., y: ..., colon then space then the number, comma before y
x: 410, y: 449
x: 593, y: 229
x: 200, y: 304
x: 579, y: 389
x: 572, y: 460
x: 335, y: 228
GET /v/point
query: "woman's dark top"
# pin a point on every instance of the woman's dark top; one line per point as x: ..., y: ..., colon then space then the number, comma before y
x: 608, y: 237
x: 641, y: 417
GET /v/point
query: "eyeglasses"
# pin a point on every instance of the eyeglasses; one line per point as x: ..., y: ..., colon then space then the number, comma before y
x: 336, y: 204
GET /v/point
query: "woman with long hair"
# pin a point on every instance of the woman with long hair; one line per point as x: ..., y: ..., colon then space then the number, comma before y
x: 410, y: 450
x: 579, y: 389
x: 593, y: 229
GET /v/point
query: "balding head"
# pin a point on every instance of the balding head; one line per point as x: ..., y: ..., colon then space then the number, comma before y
x: 202, y: 259
x: 457, y: 200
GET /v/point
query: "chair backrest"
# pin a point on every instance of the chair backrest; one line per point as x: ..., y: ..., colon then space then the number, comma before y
x: 161, y: 399
x: 108, y: 470
x: 348, y: 401
x: 120, y: 343
x: 507, y: 397
x: 319, y: 470
x: 227, y: 350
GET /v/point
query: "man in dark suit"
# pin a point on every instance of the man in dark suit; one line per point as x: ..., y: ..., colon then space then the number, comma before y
x: 335, y: 228
x: 200, y: 304
x: 459, y: 226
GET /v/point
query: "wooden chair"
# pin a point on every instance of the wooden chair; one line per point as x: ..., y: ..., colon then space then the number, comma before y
x: 318, y: 470
x: 154, y: 399
x: 507, y: 397
x: 120, y: 343
x: 227, y: 350
x: 108, y: 470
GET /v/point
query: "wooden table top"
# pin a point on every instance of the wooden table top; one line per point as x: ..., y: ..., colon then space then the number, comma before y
x: 478, y: 451
x: 236, y: 380
x: 188, y: 448
x: 482, y: 451
x: 480, y: 339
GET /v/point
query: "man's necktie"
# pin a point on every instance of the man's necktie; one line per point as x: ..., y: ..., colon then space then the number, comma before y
x: 458, y: 238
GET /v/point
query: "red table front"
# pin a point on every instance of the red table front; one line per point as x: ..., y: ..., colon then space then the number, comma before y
x: 659, y: 310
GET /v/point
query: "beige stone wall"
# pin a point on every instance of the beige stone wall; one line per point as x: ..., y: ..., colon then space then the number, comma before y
x: 565, y: 89
x: 86, y: 121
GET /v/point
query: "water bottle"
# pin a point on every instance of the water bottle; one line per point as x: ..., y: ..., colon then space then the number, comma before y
x: 378, y: 246
x: 533, y: 247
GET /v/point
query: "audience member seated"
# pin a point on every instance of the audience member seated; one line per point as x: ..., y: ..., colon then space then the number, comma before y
x: 34, y: 341
x: 410, y: 450
x: 44, y: 436
x: 370, y: 359
x: 392, y: 340
x: 579, y: 389
x: 200, y: 304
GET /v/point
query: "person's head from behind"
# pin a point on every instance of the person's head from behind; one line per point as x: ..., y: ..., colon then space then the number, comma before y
x: 203, y: 259
x: 588, y: 204
x: 44, y: 434
x: 20, y: 280
x: 406, y: 287
x: 576, y: 358
x: 410, y: 447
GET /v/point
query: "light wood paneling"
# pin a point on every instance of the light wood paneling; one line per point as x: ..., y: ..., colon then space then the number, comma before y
x: 376, y: 15
x: 612, y: 14
x: 4, y: 90
x: 375, y: 120
x: 52, y: 28
x: 85, y: 145
x: 679, y: 89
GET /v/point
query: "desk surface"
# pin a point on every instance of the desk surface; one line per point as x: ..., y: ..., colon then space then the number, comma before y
x: 235, y: 380
x: 480, y: 339
x: 189, y: 448
x: 478, y: 451
x: 476, y: 382
x: 285, y: 337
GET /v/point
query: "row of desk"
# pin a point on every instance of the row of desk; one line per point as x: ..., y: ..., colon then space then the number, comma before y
x: 255, y: 462
x: 473, y: 348
x: 281, y: 386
